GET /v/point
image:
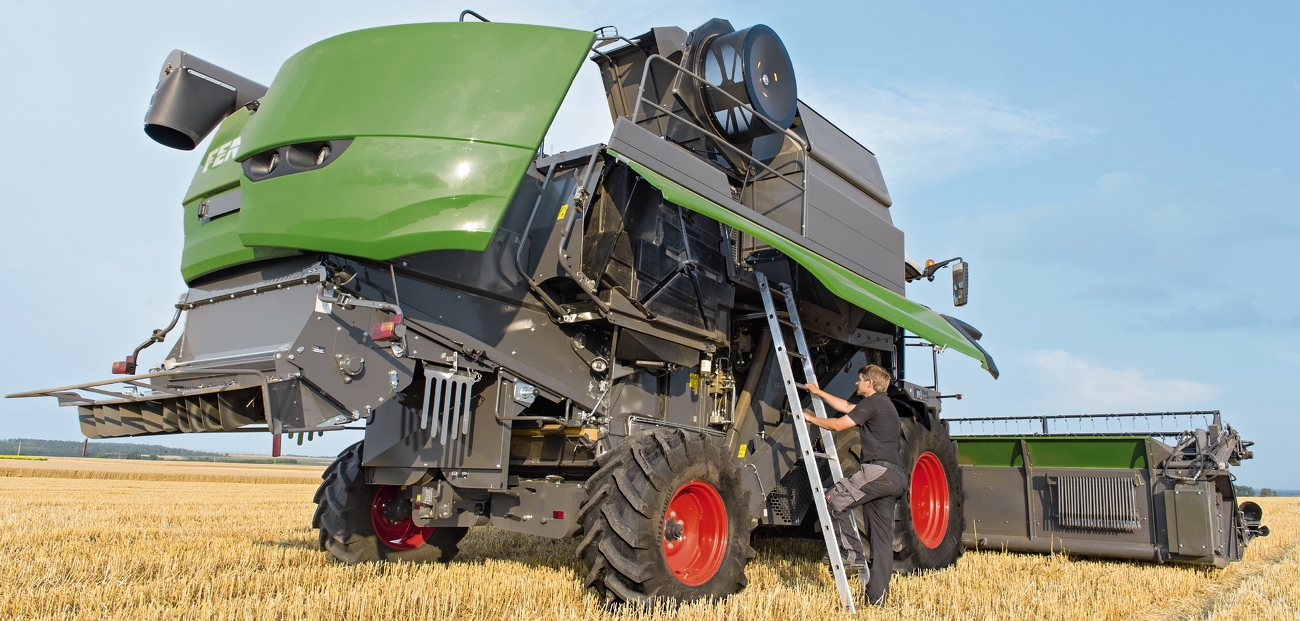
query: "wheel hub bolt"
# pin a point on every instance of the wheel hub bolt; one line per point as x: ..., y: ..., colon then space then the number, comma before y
x: 673, y: 531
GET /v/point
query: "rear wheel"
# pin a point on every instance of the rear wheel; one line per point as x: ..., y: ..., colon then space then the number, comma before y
x: 362, y: 523
x: 667, y: 519
x: 928, y: 520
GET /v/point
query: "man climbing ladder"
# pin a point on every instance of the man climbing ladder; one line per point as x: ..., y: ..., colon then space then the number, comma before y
x: 879, y: 482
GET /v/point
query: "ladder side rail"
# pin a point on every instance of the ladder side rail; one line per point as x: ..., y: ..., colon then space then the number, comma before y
x: 805, y: 447
x: 819, y: 408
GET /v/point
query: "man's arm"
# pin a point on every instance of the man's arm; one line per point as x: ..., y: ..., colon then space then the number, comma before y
x: 836, y: 403
x: 834, y: 424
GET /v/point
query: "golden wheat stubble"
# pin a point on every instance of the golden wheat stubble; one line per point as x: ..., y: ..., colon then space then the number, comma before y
x: 145, y: 549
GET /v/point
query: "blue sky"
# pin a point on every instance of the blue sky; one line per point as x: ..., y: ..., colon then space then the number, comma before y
x: 1121, y: 178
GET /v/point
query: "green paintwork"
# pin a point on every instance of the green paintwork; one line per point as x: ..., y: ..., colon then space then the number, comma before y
x: 990, y: 452
x: 445, y: 118
x: 855, y: 289
x: 208, y: 179
x: 387, y: 197
x: 1115, y: 452
x: 214, y: 245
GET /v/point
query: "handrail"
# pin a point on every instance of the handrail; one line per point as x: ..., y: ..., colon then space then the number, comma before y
x: 719, y: 140
x: 706, y: 83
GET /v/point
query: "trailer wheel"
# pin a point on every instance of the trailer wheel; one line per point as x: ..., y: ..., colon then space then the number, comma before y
x: 362, y: 523
x: 928, y: 519
x: 667, y: 520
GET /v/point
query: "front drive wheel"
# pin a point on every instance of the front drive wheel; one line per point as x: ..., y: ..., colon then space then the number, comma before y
x: 667, y: 519
x: 362, y: 523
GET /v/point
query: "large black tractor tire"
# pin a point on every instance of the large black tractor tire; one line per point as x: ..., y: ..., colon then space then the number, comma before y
x: 928, y: 521
x: 666, y: 520
x: 362, y: 523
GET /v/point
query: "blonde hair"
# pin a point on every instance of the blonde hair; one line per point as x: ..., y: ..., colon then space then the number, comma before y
x: 879, y: 377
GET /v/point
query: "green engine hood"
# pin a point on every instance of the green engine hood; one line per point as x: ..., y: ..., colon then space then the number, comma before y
x: 444, y: 119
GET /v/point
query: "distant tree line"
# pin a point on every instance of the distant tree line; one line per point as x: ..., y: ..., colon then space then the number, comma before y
x: 67, y: 448
x: 1246, y: 490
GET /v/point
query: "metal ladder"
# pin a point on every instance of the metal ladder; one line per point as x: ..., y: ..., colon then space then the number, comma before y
x: 810, y: 456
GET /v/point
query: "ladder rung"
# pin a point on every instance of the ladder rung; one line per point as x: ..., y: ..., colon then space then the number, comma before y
x: 795, y: 354
x: 825, y: 456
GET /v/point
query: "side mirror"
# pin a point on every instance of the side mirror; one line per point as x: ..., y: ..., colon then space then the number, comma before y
x: 960, y: 283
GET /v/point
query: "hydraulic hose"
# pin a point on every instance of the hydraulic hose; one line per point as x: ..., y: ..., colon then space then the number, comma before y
x: 743, y: 402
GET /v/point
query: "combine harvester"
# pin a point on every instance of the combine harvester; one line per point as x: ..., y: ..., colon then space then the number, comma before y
x: 600, y: 343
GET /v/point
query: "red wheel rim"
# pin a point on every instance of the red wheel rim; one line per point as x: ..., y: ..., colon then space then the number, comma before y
x: 400, y: 535
x: 929, y: 500
x: 695, y: 533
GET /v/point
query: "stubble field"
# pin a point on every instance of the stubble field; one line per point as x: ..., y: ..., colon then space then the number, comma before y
x: 118, y: 543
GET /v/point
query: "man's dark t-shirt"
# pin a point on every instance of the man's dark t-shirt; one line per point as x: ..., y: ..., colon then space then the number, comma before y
x: 878, y: 425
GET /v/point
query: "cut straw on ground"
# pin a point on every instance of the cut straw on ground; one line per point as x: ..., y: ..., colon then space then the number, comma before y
x: 151, y: 549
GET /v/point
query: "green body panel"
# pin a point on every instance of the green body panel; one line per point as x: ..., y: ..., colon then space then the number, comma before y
x: 1117, y: 452
x: 386, y: 197
x: 215, y: 245
x: 886, y: 304
x: 990, y: 452
x: 446, y: 119
x: 219, y: 169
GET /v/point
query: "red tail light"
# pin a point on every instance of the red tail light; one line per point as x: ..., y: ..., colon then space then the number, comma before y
x: 559, y: 515
x: 385, y: 331
x: 388, y: 330
x: 124, y: 367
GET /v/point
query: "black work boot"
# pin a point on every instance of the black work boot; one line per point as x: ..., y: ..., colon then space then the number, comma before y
x: 858, y: 565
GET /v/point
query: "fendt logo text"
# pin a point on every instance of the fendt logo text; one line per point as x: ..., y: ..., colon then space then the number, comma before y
x: 221, y: 154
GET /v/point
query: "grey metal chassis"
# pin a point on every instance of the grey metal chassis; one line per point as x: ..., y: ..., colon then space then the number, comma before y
x: 1178, y: 505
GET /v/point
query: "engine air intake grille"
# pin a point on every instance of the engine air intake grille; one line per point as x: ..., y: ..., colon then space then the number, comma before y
x: 1097, y: 503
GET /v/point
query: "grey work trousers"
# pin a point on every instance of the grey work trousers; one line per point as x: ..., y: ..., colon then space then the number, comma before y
x: 876, y: 489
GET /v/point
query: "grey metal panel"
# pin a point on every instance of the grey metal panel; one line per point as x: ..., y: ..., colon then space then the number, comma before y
x: 1191, y: 531
x: 999, y: 505
x: 862, y: 250
x: 637, y: 394
x: 220, y: 205
x: 533, y: 508
x: 668, y: 158
x: 698, y: 176
x: 994, y: 501
x: 324, y: 341
x: 825, y: 136
x: 264, y: 322
x: 395, y: 439
x: 835, y: 194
